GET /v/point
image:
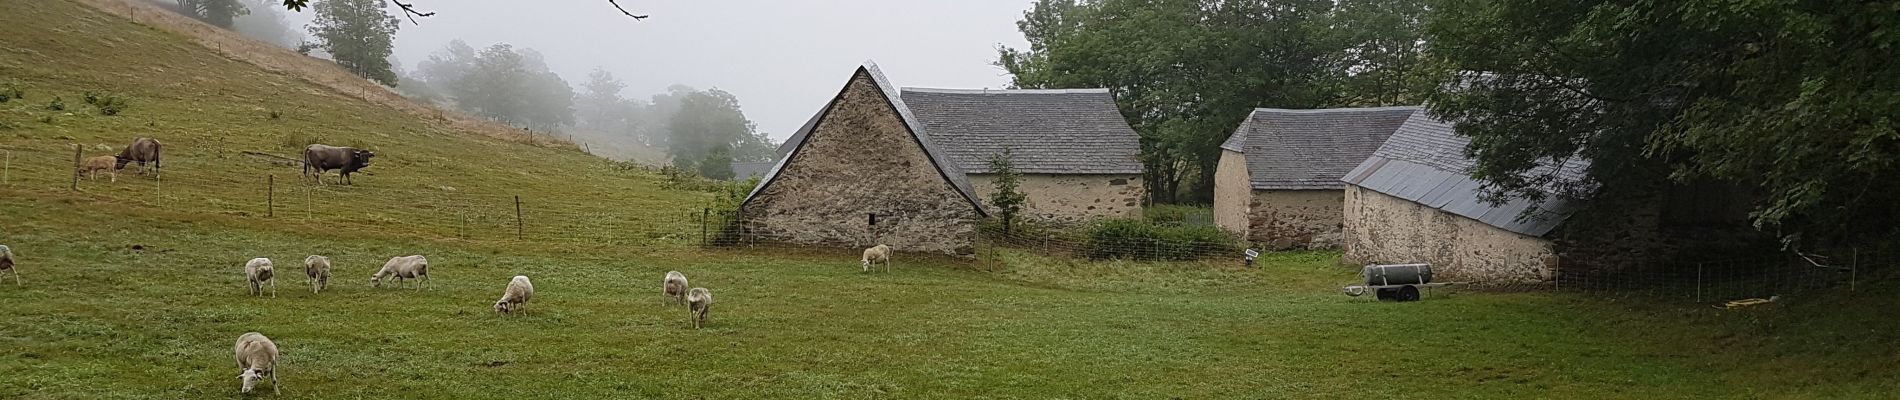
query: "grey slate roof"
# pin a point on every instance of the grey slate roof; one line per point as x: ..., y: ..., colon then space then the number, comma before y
x: 743, y: 170
x: 1060, y: 131
x: 1311, y: 149
x: 1424, y: 162
x: 945, y: 167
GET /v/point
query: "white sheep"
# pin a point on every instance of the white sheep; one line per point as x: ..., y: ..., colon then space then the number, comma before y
x: 674, y: 287
x: 519, y: 291
x: 403, y: 269
x: 6, y: 263
x: 316, y: 270
x: 877, y: 254
x: 257, y: 271
x: 699, y: 301
x: 256, y: 356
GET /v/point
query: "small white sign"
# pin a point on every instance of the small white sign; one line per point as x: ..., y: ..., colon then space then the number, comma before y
x: 1251, y: 254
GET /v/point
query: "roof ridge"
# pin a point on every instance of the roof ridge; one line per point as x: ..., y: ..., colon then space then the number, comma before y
x: 1340, y: 109
x: 1006, y: 91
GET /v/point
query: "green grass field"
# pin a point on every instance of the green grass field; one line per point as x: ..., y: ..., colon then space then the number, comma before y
x: 98, y: 319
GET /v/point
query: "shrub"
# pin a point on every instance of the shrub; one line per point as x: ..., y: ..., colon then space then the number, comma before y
x: 57, y: 104
x: 1142, y: 240
x: 298, y: 140
x: 276, y: 115
x: 1178, y: 214
x: 10, y: 92
x: 109, y: 105
x: 92, y: 98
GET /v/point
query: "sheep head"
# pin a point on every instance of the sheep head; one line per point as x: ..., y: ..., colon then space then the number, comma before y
x: 249, y: 377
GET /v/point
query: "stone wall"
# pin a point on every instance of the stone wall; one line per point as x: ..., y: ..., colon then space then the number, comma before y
x: 1385, y: 229
x: 861, y: 159
x: 1295, y: 219
x: 1071, y: 199
x: 1233, y: 189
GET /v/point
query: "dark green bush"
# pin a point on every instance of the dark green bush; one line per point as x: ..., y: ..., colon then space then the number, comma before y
x: 92, y: 98
x: 1134, y: 239
x: 57, y: 104
x: 10, y: 92
x: 109, y: 105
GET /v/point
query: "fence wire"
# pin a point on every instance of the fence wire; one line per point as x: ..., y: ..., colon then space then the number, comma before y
x: 486, y: 214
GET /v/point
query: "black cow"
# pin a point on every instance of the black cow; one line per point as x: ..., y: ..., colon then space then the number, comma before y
x: 344, y: 159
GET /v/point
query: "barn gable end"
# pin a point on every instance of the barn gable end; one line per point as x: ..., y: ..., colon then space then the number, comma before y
x: 861, y: 155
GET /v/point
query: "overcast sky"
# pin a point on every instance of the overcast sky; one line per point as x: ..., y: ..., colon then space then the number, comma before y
x: 783, y: 59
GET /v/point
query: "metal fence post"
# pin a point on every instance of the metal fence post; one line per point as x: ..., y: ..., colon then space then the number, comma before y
x: 270, y: 197
x: 518, y: 224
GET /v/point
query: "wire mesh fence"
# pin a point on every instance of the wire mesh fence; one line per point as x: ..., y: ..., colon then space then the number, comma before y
x: 492, y: 214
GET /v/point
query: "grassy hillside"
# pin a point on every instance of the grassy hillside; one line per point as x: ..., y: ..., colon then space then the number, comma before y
x: 134, y: 289
x: 430, y: 179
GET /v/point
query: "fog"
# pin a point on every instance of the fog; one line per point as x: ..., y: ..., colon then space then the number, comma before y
x: 782, y: 59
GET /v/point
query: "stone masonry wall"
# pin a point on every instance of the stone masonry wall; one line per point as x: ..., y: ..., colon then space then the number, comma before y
x: 1071, y: 199
x: 860, y: 159
x: 1385, y: 229
x: 1295, y: 219
x: 1233, y: 189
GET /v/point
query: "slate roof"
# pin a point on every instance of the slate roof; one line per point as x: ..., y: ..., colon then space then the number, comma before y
x: 1060, y: 131
x: 743, y: 170
x: 1311, y: 149
x: 1424, y: 162
x: 944, y: 166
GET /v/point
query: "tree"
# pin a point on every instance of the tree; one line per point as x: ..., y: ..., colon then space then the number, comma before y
x: 1796, y: 100
x: 1007, y: 199
x: 706, y: 121
x: 1185, y: 73
x: 410, y: 9
x: 717, y: 165
x: 600, y: 107
x: 501, y: 83
x: 358, y: 35
x: 220, y: 13
x: 267, y: 24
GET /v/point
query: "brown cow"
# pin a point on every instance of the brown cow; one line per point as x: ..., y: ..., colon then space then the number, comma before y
x: 91, y: 167
x: 141, y: 150
x: 344, y: 159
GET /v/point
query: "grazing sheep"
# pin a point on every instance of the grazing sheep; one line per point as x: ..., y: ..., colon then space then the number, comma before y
x: 91, y: 167
x: 256, y: 356
x: 877, y: 254
x: 674, y: 287
x: 700, y: 301
x: 316, y: 270
x: 517, y: 295
x: 258, y: 271
x: 6, y: 263
x: 403, y: 269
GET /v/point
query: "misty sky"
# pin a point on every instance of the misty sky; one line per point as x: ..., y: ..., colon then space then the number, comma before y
x: 783, y: 59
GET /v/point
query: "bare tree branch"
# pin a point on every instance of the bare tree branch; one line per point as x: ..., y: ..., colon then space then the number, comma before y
x: 623, y: 10
x: 409, y: 10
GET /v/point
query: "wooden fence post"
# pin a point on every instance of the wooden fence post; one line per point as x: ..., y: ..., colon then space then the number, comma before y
x: 270, y: 197
x: 78, y: 149
x: 6, y: 171
x: 518, y: 218
x: 704, y: 215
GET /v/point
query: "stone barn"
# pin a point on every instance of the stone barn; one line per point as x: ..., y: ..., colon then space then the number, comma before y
x: 1412, y: 201
x: 864, y: 154
x: 1278, y: 184
x: 1078, y: 158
